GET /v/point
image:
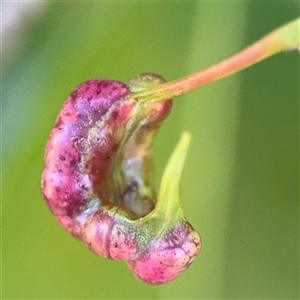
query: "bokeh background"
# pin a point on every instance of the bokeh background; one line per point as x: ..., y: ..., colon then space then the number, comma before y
x: 240, y: 183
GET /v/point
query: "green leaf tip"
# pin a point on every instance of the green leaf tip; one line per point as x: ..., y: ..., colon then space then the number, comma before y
x: 168, y: 198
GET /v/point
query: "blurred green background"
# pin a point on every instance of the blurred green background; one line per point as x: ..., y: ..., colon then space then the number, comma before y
x: 240, y: 182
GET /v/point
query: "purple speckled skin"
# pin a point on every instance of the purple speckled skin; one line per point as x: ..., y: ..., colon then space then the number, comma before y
x: 169, y: 256
x: 99, y: 134
x: 77, y: 162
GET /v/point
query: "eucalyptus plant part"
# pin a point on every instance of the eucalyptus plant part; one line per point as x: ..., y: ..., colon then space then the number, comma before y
x: 98, y: 176
x: 98, y: 179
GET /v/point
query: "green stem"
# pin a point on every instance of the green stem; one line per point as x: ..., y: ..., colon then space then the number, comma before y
x: 285, y: 38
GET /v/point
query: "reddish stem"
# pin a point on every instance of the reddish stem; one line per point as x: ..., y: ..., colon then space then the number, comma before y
x: 285, y: 38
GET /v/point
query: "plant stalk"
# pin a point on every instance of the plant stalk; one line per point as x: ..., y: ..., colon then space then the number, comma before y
x: 285, y: 38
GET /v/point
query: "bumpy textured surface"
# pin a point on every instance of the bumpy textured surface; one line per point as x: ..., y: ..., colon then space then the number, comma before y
x: 98, y: 180
x: 169, y: 256
x: 107, y: 233
x: 78, y: 154
x: 99, y: 129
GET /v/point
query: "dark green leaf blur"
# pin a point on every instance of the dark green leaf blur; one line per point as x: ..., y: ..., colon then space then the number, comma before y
x: 240, y: 182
